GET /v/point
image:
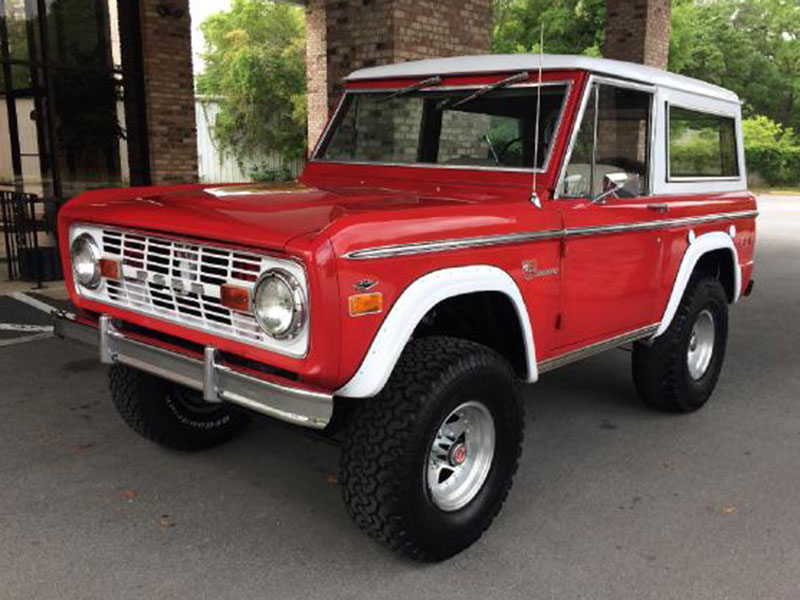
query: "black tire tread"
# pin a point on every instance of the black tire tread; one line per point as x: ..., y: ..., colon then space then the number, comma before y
x: 131, y: 389
x: 382, y: 426
x: 657, y: 374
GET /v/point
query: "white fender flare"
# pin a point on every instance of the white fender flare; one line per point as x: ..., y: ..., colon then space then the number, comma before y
x: 698, y: 246
x: 414, y: 303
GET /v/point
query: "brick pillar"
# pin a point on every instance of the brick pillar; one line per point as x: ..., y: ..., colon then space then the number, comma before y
x: 169, y: 90
x: 345, y: 35
x: 638, y: 31
x: 316, y: 69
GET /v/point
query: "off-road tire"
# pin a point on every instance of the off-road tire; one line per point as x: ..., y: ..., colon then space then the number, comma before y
x: 660, y: 371
x: 386, y: 449
x: 169, y: 414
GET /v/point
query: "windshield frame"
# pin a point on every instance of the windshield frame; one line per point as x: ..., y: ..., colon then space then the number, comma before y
x: 324, y: 139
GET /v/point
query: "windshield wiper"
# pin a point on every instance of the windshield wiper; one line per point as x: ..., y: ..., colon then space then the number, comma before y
x: 413, y: 88
x: 491, y: 87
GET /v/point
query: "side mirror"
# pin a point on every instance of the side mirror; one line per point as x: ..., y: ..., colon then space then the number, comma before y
x: 619, y: 184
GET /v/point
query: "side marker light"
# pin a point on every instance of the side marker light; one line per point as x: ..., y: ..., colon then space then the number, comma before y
x: 365, y: 304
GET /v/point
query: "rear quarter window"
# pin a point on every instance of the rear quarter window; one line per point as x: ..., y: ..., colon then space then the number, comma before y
x: 701, y: 145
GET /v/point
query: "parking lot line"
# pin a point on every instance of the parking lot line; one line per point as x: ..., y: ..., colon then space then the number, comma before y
x: 25, y: 328
x: 25, y: 339
x: 33, y: 302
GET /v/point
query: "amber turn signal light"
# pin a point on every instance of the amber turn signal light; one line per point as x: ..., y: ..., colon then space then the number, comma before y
x: 235, y: 297
x: 365, y: 304
x: 111, y: 269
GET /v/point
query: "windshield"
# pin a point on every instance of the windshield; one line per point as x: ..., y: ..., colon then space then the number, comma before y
x: 494, y: 130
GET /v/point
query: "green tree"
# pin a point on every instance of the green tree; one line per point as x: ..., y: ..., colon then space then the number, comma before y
x: 255, y: 65
x: 749, y: 46
x: 570, y: 26
x: 763, y: 131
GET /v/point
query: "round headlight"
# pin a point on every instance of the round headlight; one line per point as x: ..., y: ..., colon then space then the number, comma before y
x: 279, y: 304
x: 85, y: 256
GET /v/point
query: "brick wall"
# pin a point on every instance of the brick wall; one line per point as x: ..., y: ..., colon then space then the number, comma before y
x: 462, y: 137
x: 366, y: 33
x: 433, y: 28
x: 169, y: 91
x: 638, y: 31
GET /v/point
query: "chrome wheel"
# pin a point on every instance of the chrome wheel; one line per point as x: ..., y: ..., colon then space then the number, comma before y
x: 701, y: 345
x: 461, y: 456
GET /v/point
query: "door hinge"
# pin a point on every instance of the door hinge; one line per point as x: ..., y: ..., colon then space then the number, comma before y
x: 563, y: 247
x: 559, y: 320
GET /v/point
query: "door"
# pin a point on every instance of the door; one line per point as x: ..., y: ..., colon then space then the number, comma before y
x: 611, y: 259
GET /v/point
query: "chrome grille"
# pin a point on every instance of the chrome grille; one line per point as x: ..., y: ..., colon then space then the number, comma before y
x: 180, y: 281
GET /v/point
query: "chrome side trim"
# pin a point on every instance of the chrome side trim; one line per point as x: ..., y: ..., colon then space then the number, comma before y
x: 660, y: 223
x: 453, y: 244
x: 596, y: 348
x: 547, y: 234
x: 218, y: 383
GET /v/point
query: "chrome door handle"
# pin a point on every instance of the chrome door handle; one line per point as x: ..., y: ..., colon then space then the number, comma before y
x: 660, y: 208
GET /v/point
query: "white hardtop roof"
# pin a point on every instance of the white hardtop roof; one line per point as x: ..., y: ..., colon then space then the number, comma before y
x: 502, y: 63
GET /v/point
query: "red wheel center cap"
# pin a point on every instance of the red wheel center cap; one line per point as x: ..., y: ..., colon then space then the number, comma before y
x: 458, y: 454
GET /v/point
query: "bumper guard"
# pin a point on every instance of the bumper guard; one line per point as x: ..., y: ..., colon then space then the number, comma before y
x: 287, y: 401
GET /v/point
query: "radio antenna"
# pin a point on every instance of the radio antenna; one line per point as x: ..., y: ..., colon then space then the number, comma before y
x: 534, y: 194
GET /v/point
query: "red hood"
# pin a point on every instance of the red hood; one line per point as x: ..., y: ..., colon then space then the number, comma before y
x: 264, y: 215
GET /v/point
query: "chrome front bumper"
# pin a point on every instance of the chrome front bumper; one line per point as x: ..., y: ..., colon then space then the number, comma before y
x: 285, y: 400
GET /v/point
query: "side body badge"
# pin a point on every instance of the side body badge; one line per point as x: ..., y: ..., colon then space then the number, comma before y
x: 364, y: 285
x: 530, y: 270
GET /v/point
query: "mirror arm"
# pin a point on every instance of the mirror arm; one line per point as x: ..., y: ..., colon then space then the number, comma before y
x: 600, y: 197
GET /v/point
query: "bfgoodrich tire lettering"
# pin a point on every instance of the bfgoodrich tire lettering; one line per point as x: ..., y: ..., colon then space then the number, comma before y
x: 662, y: 373
x: 386, y: 450
x: 169, y: 414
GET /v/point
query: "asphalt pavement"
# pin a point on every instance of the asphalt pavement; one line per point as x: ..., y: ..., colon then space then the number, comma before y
x: 612, y: 500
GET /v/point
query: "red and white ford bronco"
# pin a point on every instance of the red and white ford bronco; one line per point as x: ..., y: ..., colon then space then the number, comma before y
x: 463, y: 225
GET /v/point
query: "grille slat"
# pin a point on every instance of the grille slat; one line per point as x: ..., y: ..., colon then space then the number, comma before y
x: 145, y: 256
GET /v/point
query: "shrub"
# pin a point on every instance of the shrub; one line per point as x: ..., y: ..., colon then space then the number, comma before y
x: 264, y: 173
x: 774, y: 164
x: 761, y: 130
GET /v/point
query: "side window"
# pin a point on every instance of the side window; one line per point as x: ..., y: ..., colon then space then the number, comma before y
x: 701, y: 145
x: 612, y: 147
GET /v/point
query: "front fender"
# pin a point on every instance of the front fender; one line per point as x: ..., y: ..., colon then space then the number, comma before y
x: 698, y: 247
x: 414, y: 303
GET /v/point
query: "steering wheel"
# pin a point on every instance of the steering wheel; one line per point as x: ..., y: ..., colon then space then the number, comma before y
x: 505, y: 147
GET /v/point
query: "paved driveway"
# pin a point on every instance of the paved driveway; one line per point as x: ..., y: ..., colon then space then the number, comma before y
x: 611, y: 500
